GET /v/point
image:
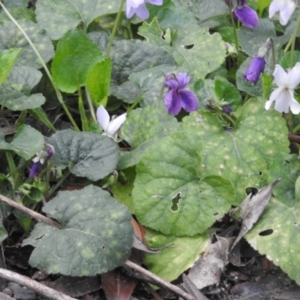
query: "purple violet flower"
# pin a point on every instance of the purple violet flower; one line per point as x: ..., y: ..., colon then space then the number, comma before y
x: 227, y: 109
x: 39, y: 160
x: 245, y: 14
x: 177, y: 97
x: 35, y: 169
x: 138, y: 7
x: 256, y: 67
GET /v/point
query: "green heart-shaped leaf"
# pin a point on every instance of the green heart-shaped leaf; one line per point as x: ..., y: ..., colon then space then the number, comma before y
x: 87, y: 154
x: 96, y: 234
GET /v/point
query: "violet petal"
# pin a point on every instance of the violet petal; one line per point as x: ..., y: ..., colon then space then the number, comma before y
x: 247, y: 16
x: 35, y: 169
x: 189, y: 101
x: 173, y: 102
x: 142, y: 12
x: 183, y: 80
x: 254, y: 70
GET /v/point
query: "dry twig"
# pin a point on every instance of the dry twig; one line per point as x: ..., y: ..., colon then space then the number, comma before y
x: 32, y: 213
x: 159, y: 281
x: 34, y: 285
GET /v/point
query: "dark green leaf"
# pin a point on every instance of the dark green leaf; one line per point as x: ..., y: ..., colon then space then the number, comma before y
x: 133, y: 56
x: 96, y: 234
x: 88, y: 154
x: 225, y: 91
x: 252, y: 39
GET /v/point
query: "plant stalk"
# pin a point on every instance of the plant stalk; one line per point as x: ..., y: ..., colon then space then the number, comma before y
x: 116, y: 24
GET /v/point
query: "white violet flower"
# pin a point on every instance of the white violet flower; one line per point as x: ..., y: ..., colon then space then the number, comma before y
x: 43, y: 155
x: 110, y: 127
x: 285, y: 8
x: 283, y: 96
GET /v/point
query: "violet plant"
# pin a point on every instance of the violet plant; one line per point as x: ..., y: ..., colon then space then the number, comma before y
x: 111, y: 95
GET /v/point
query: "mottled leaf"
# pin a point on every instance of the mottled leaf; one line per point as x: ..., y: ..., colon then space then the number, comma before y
x: 96, y: 234
x: 18, y: 13
x: 133, y: 56
x: 193, y: 47
x: 69, y: 14
x: 11, y: 37
x: 143, y: 124
x: 143, y: 128
x: 242, y: 154
x: 170, y: 193
x: 205, y: 11
x: 288, y: 170
x: 15, y: 91
x: 276, y: 234
x: 170, y: 15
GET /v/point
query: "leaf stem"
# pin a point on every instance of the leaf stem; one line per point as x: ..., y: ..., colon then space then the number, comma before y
x: 41, y: 115
x: 296, y: 128
x: 289, y: 121
x: 12, y: 167
x: 91, y: 107
x: 135, y: 103
x: 116, y: 24
x: 273, y: 54
x: 234, y: 27
x: 292, y: 41
x: 57, y: 91
x: 84, y: 121
x: 228, y: 118
x: 57, y: 185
